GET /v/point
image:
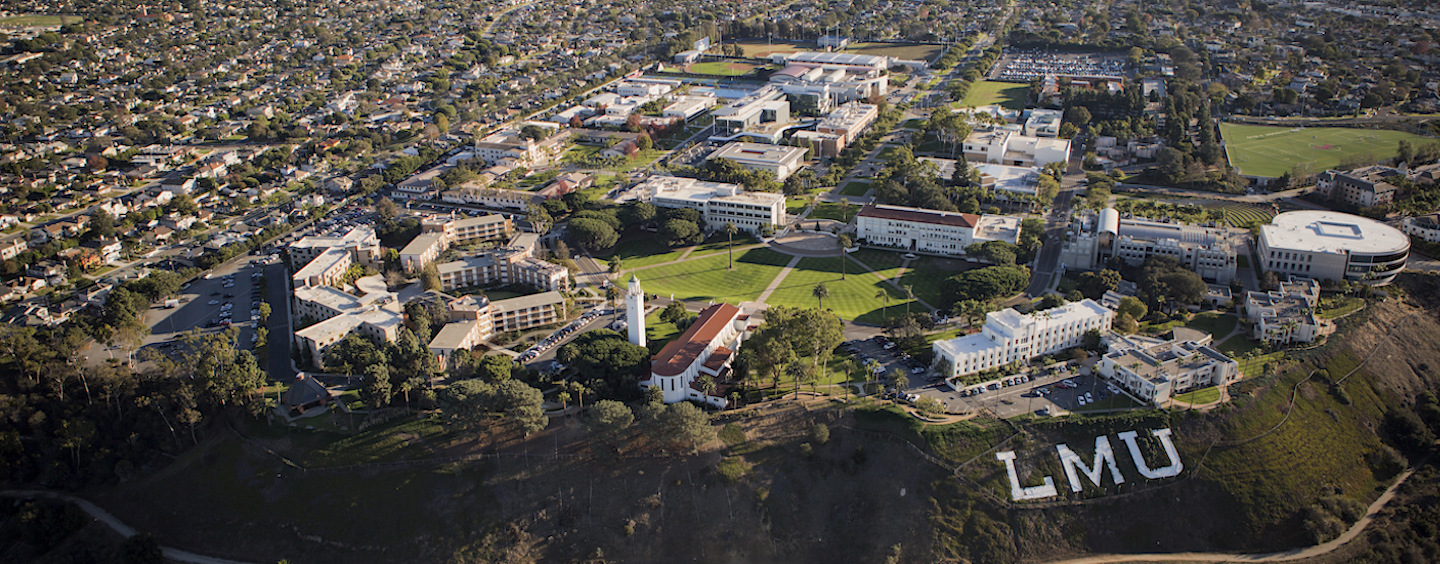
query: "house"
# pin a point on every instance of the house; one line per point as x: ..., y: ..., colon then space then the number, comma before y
x: 305, y: 394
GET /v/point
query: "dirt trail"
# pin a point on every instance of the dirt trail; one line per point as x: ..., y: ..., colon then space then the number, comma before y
x: 1285, y: 556
x: 114, y: 523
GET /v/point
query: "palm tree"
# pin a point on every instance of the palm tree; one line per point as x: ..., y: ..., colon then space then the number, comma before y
x: 910, y: 296
x: 707, y: 384
x: 730, y: 231
x: 612, y: 294
x: 564, y: 398
x: 884, y: 298
x: 821, y: 292
x: 616, y: 265
x: 845, y: 243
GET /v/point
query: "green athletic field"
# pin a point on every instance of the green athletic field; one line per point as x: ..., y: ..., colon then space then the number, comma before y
x: 1263, y: 150
x: 986, y: 93
x: 721, y: 68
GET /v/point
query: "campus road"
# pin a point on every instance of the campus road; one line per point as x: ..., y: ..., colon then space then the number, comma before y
x: 111, y: 521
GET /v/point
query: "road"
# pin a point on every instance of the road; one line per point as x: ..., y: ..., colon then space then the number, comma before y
x: 115, y: 524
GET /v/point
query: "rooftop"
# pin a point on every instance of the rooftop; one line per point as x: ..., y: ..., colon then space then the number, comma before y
x: 1332, y: 232
x: 527, y: 302
x: 917, y: 215
x: 758, y: 153
x: 679, y: 354
x: 322, y: 263
x: 453, y: 335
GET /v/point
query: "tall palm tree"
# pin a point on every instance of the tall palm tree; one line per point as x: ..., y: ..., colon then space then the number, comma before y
x: 845, y: 243
x: 909, y: 296
x: 707, y: 384
x: 884, y: 298
x: 730, y: 231
x: 821, y: 292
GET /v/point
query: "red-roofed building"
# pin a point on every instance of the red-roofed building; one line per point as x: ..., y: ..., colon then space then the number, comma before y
x: 931, y: 231
x: 705, y: 349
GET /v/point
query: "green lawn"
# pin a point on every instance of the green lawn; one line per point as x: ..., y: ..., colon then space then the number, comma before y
x: 855, y: 188
x: 645, y: 251
x: 920, y: 52
x: 657, y: 332
x: 926, y: 277
x: 719, y: 242
x: 986, y: 93
x: 1333, y: 308
x: 838, y: 211
x: 1262, y: 150
x: 1218, y: 325
x: 796, y: 204
x: 38, y: 20
x: 709, y: 279
x: 1238, y: 346
x: 852, y: 298
x: 722, y: 68
x: 1201, y: 396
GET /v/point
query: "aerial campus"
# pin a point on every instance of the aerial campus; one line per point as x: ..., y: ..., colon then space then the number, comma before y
x: 940, y: 281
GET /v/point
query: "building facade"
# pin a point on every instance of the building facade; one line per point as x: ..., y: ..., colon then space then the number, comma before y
x: 1155, y: 370
x: 718, y: 203
x: 1010, y: 337
x: 931, y: 231
x: 706, y: 348
x: 1326, y: 245
x: 1287, y: 315
x: 778, y: 159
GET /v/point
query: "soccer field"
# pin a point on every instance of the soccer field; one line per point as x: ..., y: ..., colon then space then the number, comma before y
x: 1263, y: 150
x: 720, y: 68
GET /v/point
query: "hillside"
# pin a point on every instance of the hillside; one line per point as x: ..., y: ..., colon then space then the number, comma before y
x: 771, y: 490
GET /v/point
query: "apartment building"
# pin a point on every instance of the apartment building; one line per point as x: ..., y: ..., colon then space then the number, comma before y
x: 1362, y: 188
x: 1155, y: 370
x: 1287, y: 315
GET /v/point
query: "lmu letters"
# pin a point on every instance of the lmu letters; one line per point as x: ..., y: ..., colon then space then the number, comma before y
x: 1104, y: 457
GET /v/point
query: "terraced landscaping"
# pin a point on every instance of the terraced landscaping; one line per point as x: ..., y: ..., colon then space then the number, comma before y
x: 1242, y: 215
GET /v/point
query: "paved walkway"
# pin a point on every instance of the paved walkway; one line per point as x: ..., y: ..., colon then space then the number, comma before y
x: 111, y: 521
x: 774, y: 284
x: 893, y: 283
x: 684, y: 258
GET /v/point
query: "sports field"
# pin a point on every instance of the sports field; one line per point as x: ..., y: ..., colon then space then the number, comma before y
x: 1007, y: 94
x: 39, y: 20
x: 763, y: 49
x: 918, y: 52
x: 1263, y: 150
x: 721, y: 68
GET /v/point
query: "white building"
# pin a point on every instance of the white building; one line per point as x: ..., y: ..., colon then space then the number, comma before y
x: 1155, y: 370
x: 705, y: 349
x: 1327, y: 245
x: 360, y: 242
x: 1043, y: 123
x: 1006, y: 147
x: 840, y: 128
x: 375, y: 314
x: 778, y: 159
x: 1093, y: 239
x: 515, y: 263
x: 475, y: 319
x: 931, y: 231
x: 1287, y: 315
x: 1425, y: 227
x: 1362, y: 188
x: 718, y: 203
x: 1010, y: 337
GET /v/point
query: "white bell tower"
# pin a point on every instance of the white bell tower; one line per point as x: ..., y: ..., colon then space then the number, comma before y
x: 635, y: 311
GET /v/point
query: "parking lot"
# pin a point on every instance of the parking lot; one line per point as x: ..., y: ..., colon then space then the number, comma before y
x: 1054, y: 391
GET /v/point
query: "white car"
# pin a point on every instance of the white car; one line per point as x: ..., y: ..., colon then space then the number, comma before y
x: 214, y: 302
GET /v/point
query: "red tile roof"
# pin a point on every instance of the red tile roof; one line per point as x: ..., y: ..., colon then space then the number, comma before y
x: 920, y: 216
x: 679, y: 354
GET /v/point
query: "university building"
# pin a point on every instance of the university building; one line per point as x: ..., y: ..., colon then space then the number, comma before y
x: 1010, y: 337
x: 931, y: 231
x: 718, y: 203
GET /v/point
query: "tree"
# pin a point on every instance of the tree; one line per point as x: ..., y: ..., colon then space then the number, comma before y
x: 1093, y: 285
x: 386, y: 209
x: 983, y: 284
x: 430, y: 277
x: 682, y: 424
x: 539, y: 219
x: 102, y: 225
x: 673, y: 312
x: 1132, y: 306
x: 821, y: 291
x: 494, y: 368
x: 592, y: 233
x: 845, y: 242
x: 884, y: 296
x: 265, y: 312
x: 730, y: 231
x: 376, y: 387
x: 608, y: 421
x: 1080, y: 115
x: 678, y: 232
